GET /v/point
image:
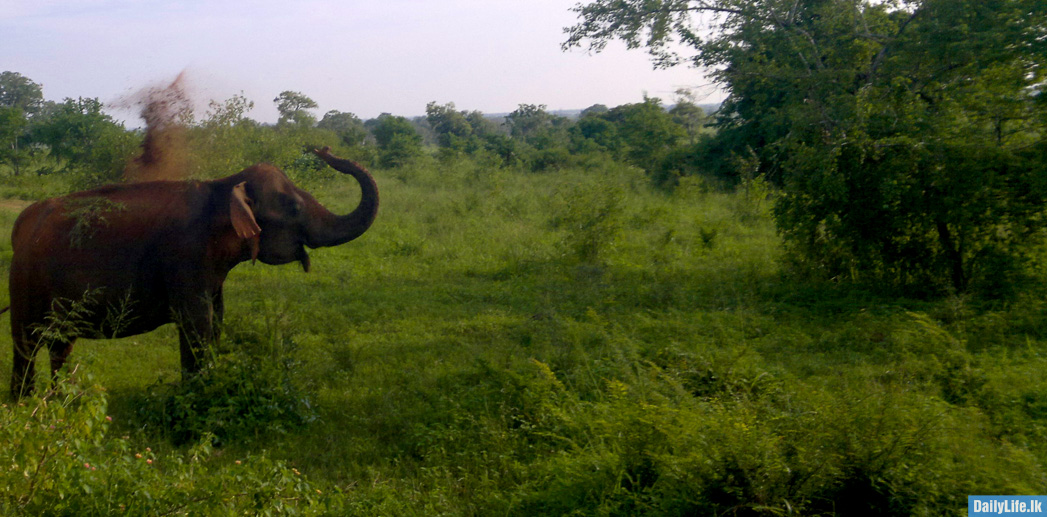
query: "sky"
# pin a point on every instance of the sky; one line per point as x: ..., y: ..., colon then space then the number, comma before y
x: 364, y: 57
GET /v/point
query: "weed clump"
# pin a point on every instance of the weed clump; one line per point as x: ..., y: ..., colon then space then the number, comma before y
x: 592, y: 218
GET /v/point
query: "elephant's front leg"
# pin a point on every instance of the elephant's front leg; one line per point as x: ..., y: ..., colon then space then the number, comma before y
x: 198, y: 319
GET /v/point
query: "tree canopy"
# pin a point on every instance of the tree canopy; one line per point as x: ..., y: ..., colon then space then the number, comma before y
x: 292, y: 107
x: 908, y: 136
x: 18, y: 91
x: 348, y: 126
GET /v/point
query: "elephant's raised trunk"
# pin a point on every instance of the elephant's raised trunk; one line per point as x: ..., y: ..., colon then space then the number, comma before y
x: 327, y: 229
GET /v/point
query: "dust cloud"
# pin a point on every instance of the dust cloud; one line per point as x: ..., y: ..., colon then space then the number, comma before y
x: 165, y: 154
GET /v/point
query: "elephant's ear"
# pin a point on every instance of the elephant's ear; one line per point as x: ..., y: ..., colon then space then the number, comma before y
x: 243, y: 219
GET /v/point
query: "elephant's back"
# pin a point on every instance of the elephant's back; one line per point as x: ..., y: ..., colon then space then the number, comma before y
x: 30, y: 225
x: 109, y: 217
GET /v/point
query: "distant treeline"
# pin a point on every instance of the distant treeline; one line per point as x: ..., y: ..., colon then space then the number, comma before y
x: 77, y: 135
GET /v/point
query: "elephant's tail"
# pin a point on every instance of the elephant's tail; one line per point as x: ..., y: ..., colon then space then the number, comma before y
x: 4, y: 309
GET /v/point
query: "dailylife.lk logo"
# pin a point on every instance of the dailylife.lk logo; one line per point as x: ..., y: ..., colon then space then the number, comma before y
x: 1006, y: 505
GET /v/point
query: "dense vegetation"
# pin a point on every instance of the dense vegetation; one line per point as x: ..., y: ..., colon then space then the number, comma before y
x: 827, y: 299
x: 504, y: 342
x: 907, y: 136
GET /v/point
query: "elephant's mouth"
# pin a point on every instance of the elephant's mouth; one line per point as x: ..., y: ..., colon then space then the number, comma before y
x: 301, y: 256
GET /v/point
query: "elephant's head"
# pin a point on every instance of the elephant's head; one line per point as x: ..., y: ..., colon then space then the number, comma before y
x: 280, y: 220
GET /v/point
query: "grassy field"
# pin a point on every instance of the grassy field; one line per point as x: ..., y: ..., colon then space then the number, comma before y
x: 576, y: 342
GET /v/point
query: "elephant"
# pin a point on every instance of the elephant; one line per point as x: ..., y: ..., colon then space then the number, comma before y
x: 124, y: 259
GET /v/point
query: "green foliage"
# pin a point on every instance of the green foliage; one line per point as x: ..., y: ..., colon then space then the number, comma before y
x: 509, y: 343
x: 225, y: 141
x: 689, y: 115
x: 592, y: 218
x: 349, y: 128
x: 20, y: 92
x: 88, y: 141
x: 398, y: 141
x: 645, y: 132
x: 901, y: 133
x: 292, y: 107
x: 642, y: 134
x: 529, y: 121
x: 243, y: 394
x: 60, y: 459
x: 13, y: 133
x: 452, y: 128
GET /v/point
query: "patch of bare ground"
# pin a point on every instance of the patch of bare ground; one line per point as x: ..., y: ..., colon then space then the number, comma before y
x: 13, y: 205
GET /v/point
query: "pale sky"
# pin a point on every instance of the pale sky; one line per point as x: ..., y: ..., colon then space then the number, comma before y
x: 365, y: 57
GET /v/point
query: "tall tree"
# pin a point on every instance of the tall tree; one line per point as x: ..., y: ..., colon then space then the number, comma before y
x: 13, y: 151
x: 292, y: 107
x: 481, y: 124
x: 452, y: 128
x: 88, y: 140
x: 528, y: 120
x: 688, y: 114
x: 595, y: 109
x: 20, y: 100
x: 645, y: 131
x: 398, y: 140
x: 18, y: 91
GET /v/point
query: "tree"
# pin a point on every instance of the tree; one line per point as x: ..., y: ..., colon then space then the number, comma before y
x: 13, y: 126
x: 533, y: 125
x: 641, y: 133
x: 349, y: 128
x: 397, y: 140
x: 452, y: 128
x: 18, y: 91
x: 645, y: 131
x: 20, y: 100
x: 544, y: 137
x: 220, y: 143
x: 594, y: 133
x: 481, y: 124
x: 292, y: 107
x: 595, y: 109
x: 905, y: 135
x: 688, y: 114
x: 228, y: 113
x: 528, y: 120
x: 86, y: 139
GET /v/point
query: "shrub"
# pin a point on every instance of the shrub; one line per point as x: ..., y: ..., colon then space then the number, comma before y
x: 58, y: 460
x: 592, y: 217
x: 241, y: 395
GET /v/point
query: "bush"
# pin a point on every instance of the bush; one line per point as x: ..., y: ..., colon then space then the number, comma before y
x: 58, y: 460
x: 592, y: 217
x: 240, y: 396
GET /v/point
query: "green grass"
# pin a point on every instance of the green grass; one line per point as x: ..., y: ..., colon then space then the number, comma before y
x: 512, y: 343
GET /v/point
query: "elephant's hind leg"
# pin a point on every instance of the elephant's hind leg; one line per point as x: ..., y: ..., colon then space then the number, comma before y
x: 24, y: 372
